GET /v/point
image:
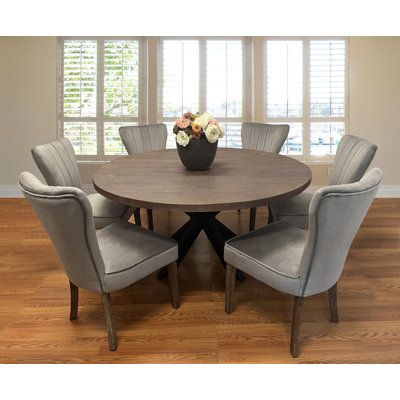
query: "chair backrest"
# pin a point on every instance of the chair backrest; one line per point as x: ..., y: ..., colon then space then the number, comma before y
x: 57, y: 162
x: 264, y: 137
x: 353, y: 157
x: 336, y: 213
x: 66, y: 214
x: 140, y: 139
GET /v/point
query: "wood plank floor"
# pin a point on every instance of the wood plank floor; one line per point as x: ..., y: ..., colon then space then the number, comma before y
x: 34, y: 304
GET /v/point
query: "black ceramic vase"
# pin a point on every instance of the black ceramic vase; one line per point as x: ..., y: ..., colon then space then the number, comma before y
x: 198, y: 154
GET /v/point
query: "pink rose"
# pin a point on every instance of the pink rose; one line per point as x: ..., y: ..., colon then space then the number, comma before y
x: 182, y: 122
x: 188, y: 115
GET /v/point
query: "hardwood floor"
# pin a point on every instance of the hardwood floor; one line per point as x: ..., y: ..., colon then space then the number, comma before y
x: 34, y: 304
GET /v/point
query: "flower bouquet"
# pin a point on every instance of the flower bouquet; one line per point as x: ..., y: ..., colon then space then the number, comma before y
x: 197, y: 140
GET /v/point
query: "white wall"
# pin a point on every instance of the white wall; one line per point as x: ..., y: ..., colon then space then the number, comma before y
x: 28, y: 102
x: 375, y: 99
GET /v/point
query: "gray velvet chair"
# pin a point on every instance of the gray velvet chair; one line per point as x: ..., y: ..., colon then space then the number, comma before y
x: 140, y: 139
x: 353, y: 157
x: 101, y: 261
x: 299, y: 262
x: 57, y: 162
x: 263, y: 137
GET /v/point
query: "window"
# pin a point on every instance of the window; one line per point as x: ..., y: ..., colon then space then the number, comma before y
x: 204, y: 75
x: 305, y: 87
x: 103, y: 85
x: 102, y: 89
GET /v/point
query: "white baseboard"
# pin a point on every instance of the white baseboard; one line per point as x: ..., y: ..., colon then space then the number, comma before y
x: 13, y: 191
x: 385, y: 191
x: 389, y: 191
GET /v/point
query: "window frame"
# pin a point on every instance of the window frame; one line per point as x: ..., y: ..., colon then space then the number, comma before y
x: 100, y: 119
x: 306, y: 119
x: 246, y: 76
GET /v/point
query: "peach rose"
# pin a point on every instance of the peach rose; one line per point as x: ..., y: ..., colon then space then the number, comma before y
x: 196, y: 128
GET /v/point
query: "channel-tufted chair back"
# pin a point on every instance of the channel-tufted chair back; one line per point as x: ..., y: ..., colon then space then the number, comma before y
x: 57, y: 162
x: 353, y: 157
x: 336, y: 214
x: 264, y: 137
x: 140, y: 139
x: 66, y: 214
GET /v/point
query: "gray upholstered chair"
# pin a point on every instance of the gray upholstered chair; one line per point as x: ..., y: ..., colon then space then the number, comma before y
x: 57, y: 162
x: 140, y: 139
x: 299, y: 262
x: 101, y: 261
x: 353, y: 157
x: 263, y: 137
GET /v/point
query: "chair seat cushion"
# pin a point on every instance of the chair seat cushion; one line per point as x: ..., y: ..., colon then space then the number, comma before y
x: 105, y: 211
x: 271, y: 254
x: 294, y: 210
x: 130, y: 253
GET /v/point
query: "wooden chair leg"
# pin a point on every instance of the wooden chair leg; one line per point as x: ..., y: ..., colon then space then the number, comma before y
x: 174, y: 284
x: 230, y: 289
x: 296, y: 324
x: 270, y: 216
x: 150, y: 219
x: 332, y: 294
x: 74, y: 301
x: 108, y: 312
x: 138, y: 220
x: 252, y: 222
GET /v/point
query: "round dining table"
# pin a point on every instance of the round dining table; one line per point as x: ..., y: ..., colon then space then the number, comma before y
x: 236, y: 180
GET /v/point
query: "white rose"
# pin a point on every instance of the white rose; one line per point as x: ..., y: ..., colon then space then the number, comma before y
x: 212, y: 133
x: 203, y: 120
x: 182, y: 138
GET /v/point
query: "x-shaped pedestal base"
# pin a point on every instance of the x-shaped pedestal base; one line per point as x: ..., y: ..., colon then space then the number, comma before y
x: 217, y: 233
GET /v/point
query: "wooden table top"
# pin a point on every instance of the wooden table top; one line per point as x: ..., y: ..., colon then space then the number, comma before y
x: 237, y: 179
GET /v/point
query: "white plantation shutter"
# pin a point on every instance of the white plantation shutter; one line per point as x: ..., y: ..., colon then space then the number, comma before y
x: 203, y: 75
x: 312, y: 69
x: 327, y: 95
x: 224, y: 74
x: 121, y: 78
x: 180, y: 91
x: 80, y: 94
x: 121, y: 91
x: 284, y: 78
x: 284, y: 90
x: 101, y: 89
x: 327, y: 78
x: 80, y: 78
x: 225, y: 78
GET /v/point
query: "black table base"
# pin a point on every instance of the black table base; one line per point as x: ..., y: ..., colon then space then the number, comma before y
x: 217, y: 233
